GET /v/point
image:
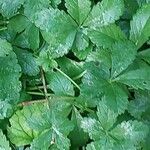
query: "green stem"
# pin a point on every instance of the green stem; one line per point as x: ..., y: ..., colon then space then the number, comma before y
x: 35, y: 88
x: 51, y: 95
x: 75, y: 84
x: 4, y: 28
x: 80, y: 75
x: 45, y: 87
x: 4, y: 22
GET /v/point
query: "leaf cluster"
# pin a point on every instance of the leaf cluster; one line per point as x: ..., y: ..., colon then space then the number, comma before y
x: 74, y: 74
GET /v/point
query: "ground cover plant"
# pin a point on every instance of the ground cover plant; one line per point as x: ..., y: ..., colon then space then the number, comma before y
x: 74, y: 74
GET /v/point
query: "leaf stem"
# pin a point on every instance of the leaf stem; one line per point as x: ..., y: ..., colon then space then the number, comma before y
x: 80, y: 75
x: 32, y: 102
x: 51, y: 95
x: 35, y: 88
x: 4, y: 28
x: 75, y: 84
x: 44, y: 84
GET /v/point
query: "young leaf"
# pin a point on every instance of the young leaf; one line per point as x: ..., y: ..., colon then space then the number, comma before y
x: 140, y: 26
x: 104, y: 13
x: 4, y: 144
x: 78, y: 9
x: 46, y: 61
x: 8, y: 8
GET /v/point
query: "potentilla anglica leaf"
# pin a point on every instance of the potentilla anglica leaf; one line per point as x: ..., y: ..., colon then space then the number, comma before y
x: 74, y: 74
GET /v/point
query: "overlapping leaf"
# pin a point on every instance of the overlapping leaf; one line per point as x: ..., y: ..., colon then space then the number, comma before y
x: 97, y: 79
x: 125, y: 135
x: 58, y: 30
x: 10, y: 85
x: 27, y: 62
x: 106, y: 36
x: 78, y: 9
x: 4, y: 144
x: 104, y: 13
x: 140, y: 26
x: 59, y: 84
x: 8, y: 8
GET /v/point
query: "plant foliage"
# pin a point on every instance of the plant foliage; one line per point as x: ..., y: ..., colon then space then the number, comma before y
x: 74, y: 74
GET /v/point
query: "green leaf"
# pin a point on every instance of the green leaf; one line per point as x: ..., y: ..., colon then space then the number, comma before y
x: 43, y: 141
x: 18, y: 23
x: 59, y: 84
x: 100, y: 55
x: 27, y: 62
x: 54, y: 3
x: 132, y: 131
x: 46, y: 61
x: 123, y: 54
x: 97, y: 80
x: 81, y: 41
x: 140, y: 105
x: 140, y: 26
x: 58, y: 31
x: 5, y: 48
x: 125, y: 135
x: 106, y: 36
x: 10, y: 85
x: 33, y: 37
x: 82, y: 55
x: 106, y: 116
x: 5, y: 109
x: 4, y: 144
x: 78, y: 9
x: 31, y: 7
x: 104, y: 13
x: 142, y: 2
x: 8, y: 8
x: 145, y: 55
x: 54, y: 130
x: 28, y: 38
x: 20, y: 132
x: 131, y: 7
x: 138, y: 79
x: 78, y: 131
x: 116, y: 98
x: 70, y: 67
